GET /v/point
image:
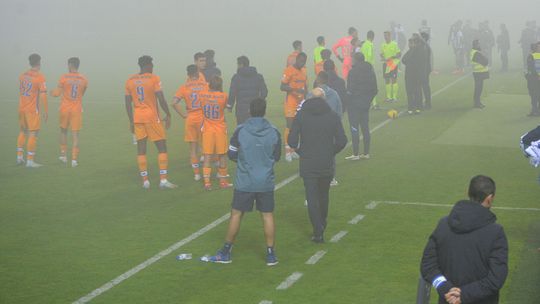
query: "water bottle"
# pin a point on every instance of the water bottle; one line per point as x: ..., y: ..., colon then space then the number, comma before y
x: 183, y: 256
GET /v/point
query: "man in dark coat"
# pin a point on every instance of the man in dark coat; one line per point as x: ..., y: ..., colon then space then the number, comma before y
x: 211, y: 68
x: 415, y: 68
x: 317, y: 135
x: 246, y: 85
x: 336, y: 83
x: 362, y: 88
x: 466, y: 257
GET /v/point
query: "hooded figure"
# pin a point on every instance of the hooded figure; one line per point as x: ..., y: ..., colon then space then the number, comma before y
x: 246, y: 85
x: 466, y: 257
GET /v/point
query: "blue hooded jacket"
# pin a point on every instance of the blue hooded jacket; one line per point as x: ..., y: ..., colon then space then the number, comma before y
x: 255, y: 146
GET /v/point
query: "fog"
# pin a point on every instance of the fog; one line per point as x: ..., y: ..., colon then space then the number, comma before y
x: 109, y: 36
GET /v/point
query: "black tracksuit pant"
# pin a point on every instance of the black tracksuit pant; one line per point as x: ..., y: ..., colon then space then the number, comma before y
x: 317, y: 195
x: 478, y: 86
x: 413, y: 86
x: 426, y: 90
x: 358, y: 112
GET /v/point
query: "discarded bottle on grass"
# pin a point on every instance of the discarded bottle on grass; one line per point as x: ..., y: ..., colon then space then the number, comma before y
x: 183, y: 256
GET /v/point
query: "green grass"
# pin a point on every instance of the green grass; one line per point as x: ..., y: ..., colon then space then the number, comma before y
x: 68, y: 231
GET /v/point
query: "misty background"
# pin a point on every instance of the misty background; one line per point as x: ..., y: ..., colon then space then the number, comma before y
x: 109, y: 36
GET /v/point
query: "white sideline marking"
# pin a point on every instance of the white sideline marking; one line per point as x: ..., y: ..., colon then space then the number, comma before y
x: 356, y: 219
x: 150, y: 261
x: 265, y: 302
x: 338, y: 236
x: 372, y: 205
x: 289, y: 281
x: 375, y: 203
x: 316, y: 257
x: 126, y: 275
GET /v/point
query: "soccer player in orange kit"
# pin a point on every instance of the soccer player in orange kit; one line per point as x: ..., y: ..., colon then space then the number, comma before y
x: 189, y: 92
x: 143, y: 91
x: 32, y: 103
x: 214, y: 132
x: 71, y: 87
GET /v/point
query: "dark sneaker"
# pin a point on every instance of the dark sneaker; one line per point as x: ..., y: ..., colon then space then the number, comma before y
x: 271, y: 259
x: 220, y: 257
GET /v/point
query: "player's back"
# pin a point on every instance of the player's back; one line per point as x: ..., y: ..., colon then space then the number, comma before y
x: 73, y: 87
x: 31, y: 84
x: 291, y: 59
x: 142, y: 88
x: 190, y: 92
x: 213, y: 104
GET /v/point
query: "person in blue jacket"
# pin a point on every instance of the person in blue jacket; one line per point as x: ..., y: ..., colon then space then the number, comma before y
x: 255, y: 146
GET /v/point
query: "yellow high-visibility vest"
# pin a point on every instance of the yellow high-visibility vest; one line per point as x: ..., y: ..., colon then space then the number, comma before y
x: 477, y: 67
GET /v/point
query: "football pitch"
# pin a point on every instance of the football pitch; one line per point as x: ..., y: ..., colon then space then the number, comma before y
x: 92, y: 233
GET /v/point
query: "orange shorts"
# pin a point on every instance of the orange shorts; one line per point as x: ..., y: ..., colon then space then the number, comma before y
x: 71, y: 119
x: 290, y: 108
x: 214, y: 142
x: 192, y: 129
x: 152, y: 130
x: 29, y: 121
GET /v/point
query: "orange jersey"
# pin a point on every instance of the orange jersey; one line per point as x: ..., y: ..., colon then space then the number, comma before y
x: 189, y: 92
x: 73, y: 86
x: 319, y: 66
x: 291, y: 59
x: 143, y: 88
x: 296, y: 79
x: 31, y: 84
x: 213, y: 105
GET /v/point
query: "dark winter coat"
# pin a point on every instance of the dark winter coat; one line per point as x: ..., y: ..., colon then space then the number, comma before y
x: 246, y: 85
x: 317, y: 135
x: 470, y: 250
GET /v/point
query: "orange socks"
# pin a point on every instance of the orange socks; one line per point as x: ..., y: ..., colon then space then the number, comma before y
x: 141, y: 161
x: 74, y: 153
x: 31, y: 147
x: 20, y: 144
x: 163, y: 164
x: 63, y: 149
x: 207, y: 171
x: 195, y: 165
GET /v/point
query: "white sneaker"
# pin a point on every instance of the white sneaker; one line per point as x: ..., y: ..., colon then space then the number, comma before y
x: 74, y: 163
x: 288, y: 157
x: 32, y: 164
x: 165, y: 184
x: 134, y: 139
x: 197, y: 177
x: 295, y: 155
x: 334, y: 182
x: 352, y: 157
x: 364, y: 156
x: 63, y: 159
x: 146, y: 184
x: 305, y: 203
x: 20, y: 161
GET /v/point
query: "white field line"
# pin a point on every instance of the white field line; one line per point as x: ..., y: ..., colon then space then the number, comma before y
x: 375, y: 203
x: 126, y: 275
x: 289, y: 281
x: 316, y: 257
x: 265, y: 302
x: 356, y: 219
x: 336, y: 238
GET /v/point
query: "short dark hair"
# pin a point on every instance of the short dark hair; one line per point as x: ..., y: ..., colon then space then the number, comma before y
x: 480, y: 187
x: 359, y: 57
x: 74, y: 62
x: 352, y: 30
x: 322, y: 77
x: 198, y: 55
x: 257, y: 107
x: 209, y: 54
x: 243, y: 60
x: 371, y: 34
x: 216, y: 83
x: 354, y: 41
x: 325, y: 54
x: 34, y: 60
x: 329, y: 65
x: 145, y: 60
x: 296, y: 44
x: 192, y: 70
x: 320, y: 39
